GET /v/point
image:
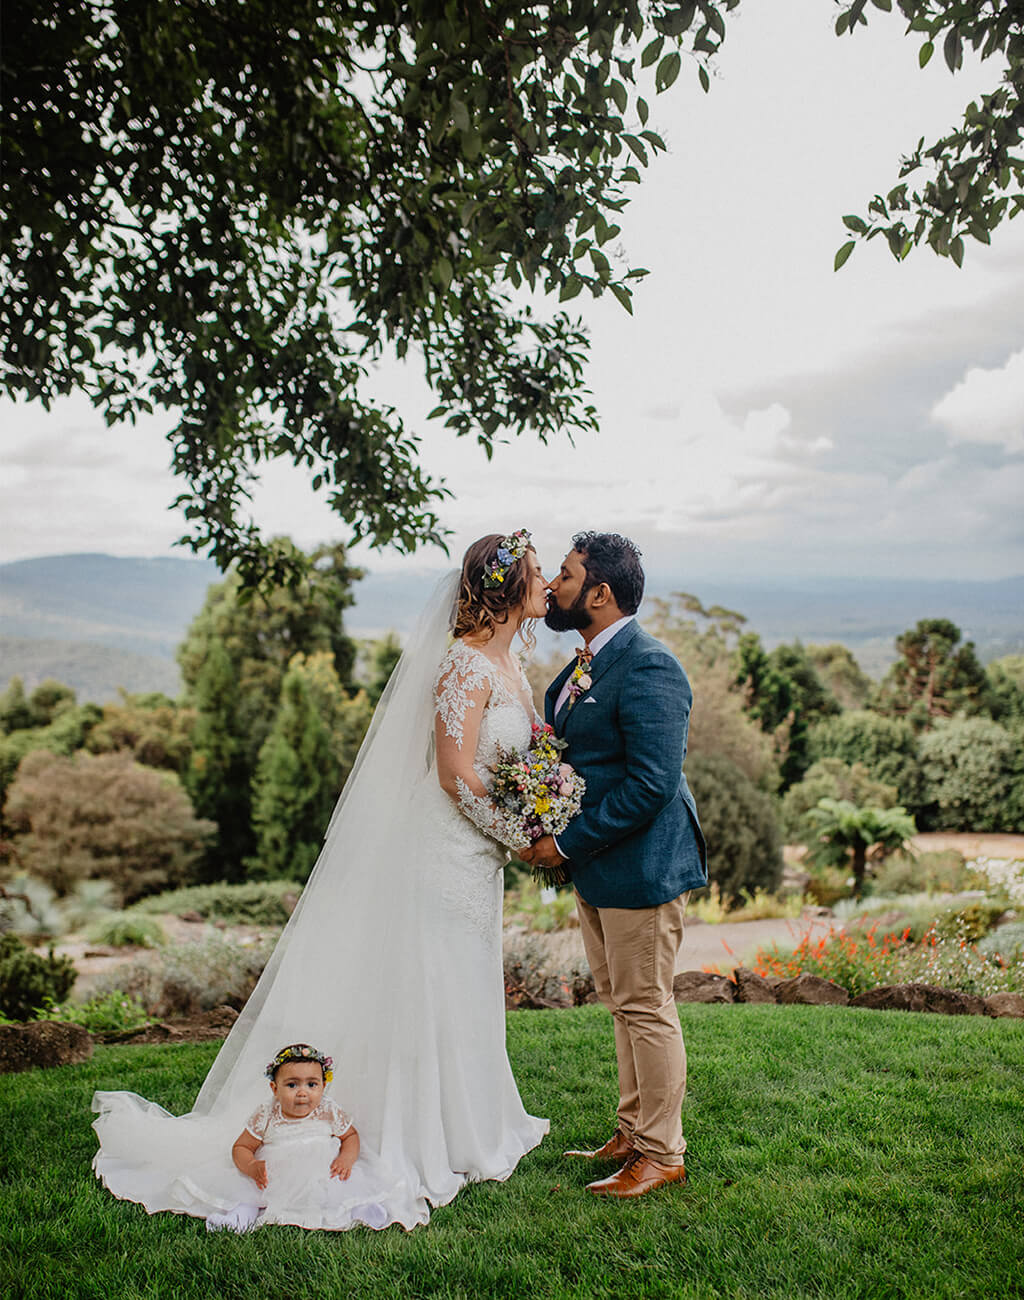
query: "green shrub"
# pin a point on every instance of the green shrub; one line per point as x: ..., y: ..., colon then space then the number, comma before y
x: 535, y: 979
x: 921, y: 914
x: 110, y: 1013
x: 830, y: 778
x: 191, y: 977
x: 29, y: 982
x: 1003, y: 877
x: 88, y: 902
x: 739, y: 824
x: 30, y: 907
x: 970, y: 921
x: 943, y: 872
x: 122, y: 930
x: 887, y: 747
x: 523, y: 906
x: 264, y: 902
x: 828, y: 885
x: 971, y: 768
x: 1007, y: 942
x: 709, y: 907
x: 103, y: 817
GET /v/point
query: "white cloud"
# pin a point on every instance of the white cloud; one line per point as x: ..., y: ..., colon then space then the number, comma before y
x: 986, y: 406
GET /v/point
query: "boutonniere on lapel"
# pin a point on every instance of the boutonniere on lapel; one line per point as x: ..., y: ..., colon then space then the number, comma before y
x: 580, y: 680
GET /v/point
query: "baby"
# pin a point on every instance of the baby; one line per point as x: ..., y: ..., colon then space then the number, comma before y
x: 300, y: 1150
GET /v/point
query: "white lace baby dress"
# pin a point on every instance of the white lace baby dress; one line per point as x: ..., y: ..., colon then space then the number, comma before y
x: 300, y: 1189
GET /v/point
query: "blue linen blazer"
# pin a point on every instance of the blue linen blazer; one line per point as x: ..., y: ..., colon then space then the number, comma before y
x: 637, y: 841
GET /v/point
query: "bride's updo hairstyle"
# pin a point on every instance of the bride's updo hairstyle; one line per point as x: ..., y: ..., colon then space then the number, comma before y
x: 484, y: 603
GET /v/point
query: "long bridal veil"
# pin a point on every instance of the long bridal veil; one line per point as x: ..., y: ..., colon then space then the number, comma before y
x: 358, y: 911
x: 347, y: 975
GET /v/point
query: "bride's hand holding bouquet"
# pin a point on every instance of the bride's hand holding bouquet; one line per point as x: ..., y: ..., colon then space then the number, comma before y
x: 538, y: 794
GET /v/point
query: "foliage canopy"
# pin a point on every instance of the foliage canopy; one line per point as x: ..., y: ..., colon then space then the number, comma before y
x: 977, y: 169
x: 935, y: 676
x: 103, y: 816
x: 229, y: 208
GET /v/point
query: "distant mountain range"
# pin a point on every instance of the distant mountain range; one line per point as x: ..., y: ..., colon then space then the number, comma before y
x: 98, y: 622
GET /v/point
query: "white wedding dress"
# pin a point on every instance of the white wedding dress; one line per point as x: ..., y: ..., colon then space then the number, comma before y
x: 391, y: 963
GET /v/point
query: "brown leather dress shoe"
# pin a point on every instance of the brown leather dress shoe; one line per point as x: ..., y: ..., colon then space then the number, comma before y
x: 618, y: 1147
x: 637, y: 1177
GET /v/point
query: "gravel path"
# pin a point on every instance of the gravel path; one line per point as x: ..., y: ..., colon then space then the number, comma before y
x: 726, y: 946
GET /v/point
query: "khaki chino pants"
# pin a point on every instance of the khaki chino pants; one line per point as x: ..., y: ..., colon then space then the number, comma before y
x: 632, y: 954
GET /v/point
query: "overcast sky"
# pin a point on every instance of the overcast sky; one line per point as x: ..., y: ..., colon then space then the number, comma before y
x: 761, y: 415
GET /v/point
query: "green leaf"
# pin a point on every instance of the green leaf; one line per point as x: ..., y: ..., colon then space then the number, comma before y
x: 843, y: 256
x: 636, y: 147
x: 705, y: 80
x: 956, y: 251
x: 668, y: 70
x: 571, y: 288
x: 651, y: 52
x: 925, y: 53
x: 618, y: 92
x: 624, y: 296
x: 855, y: 224
x: 460, y: 115
x: 953, y: 50
x: 642, y: 111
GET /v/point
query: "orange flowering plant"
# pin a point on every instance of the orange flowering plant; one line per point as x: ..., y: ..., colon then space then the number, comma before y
x: 860, y: 962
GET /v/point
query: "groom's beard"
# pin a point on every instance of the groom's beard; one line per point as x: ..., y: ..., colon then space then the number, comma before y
x: 574, y: 619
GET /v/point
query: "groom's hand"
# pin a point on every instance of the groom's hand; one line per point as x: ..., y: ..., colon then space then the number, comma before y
x: 543, y: 853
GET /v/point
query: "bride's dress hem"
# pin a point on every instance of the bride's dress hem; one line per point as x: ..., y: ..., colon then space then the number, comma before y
x: 195, y: 1201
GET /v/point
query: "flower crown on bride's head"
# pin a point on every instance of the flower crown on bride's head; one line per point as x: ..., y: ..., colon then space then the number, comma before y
x: 509, y: 550
x: 300, y: 1052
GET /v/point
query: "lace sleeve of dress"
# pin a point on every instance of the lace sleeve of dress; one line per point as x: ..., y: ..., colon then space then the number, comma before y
x: 339, y: 1120
x: 486, y: 814
x: 259, y: 1121
x: 461, y: 673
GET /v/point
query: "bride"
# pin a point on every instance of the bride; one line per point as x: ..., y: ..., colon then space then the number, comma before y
x: 391, y: 962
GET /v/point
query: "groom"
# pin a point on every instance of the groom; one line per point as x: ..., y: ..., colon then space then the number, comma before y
x: 635, y: 849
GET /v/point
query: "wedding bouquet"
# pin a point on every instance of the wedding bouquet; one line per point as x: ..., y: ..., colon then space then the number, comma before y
x: 538, y: 794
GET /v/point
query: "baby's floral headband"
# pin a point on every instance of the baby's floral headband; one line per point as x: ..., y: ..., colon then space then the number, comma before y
x: 509, y: 550
x: 301, y: 1052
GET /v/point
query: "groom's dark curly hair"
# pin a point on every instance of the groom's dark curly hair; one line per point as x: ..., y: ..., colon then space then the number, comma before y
x: 611, y: 558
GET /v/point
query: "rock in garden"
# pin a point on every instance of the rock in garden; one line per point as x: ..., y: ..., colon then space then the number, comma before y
x: 811, y: 990
x: 751, y: 987
x: 701, y: 986
x: 42, y: 1045
x: 1005, y: 1004
x: 203, y: 1027
x: 920, y: 997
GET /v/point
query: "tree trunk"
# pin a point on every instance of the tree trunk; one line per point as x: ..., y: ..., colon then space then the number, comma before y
x: 860, y: 862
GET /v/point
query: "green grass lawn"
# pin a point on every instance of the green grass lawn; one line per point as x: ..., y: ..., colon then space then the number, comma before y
x: 832, y: 1152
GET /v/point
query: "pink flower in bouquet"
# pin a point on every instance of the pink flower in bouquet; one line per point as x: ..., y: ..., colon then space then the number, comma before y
x: 566, y: 779
x: 584, y: 682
